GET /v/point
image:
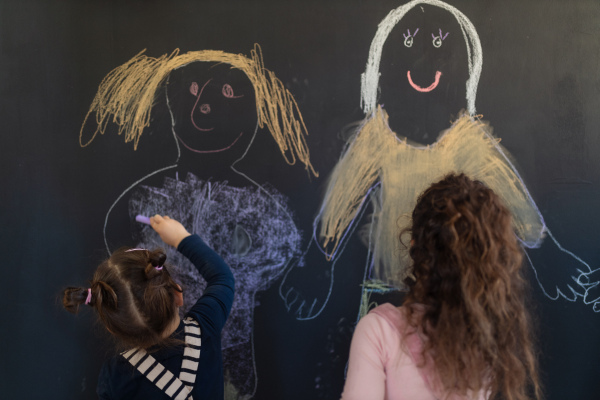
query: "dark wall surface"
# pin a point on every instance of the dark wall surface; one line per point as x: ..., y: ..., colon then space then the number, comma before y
x: 539, y: 89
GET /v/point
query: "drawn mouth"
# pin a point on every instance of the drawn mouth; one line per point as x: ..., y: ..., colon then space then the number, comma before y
x: 428, y: 88
x: 208, y: 151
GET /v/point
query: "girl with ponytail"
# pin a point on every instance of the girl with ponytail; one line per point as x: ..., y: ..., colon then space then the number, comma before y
x: 137, y: 301
x: 463, y: 331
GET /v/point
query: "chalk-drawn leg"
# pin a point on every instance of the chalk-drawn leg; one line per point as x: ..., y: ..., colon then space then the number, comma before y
x: 557, y: 270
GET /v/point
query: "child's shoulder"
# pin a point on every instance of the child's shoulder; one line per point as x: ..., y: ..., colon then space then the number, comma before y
x: 394, y: 315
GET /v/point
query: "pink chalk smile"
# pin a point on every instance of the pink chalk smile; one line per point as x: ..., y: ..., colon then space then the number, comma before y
x: 427, y: 89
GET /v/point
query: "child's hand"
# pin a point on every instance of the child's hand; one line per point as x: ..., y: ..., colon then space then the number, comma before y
x: 170, y: 230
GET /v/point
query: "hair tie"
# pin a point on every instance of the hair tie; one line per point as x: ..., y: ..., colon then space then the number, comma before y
x: 137, y: 248
x: 89, y: 296
x: 158, y: 268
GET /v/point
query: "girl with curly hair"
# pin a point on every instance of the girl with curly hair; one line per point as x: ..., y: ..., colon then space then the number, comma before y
x: 463, y: 331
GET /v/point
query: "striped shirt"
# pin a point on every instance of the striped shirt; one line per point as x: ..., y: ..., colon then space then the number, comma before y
x: 192, y: 371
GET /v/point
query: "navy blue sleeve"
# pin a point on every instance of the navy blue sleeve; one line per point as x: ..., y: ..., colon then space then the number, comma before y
x: 213, y: 307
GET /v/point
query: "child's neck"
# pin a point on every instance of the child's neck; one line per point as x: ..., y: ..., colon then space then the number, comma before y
x: 172, y: 326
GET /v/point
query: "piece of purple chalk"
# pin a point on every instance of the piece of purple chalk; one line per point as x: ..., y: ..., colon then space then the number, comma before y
x: 143, y: 219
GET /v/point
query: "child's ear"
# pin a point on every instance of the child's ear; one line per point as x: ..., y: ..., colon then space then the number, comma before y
x: 179, y: 297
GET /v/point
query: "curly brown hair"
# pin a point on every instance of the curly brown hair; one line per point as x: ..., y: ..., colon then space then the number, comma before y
x: 134, y: 296
x: 466, y: 267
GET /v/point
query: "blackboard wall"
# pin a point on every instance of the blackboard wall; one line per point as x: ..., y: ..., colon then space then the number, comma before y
x: 539, y: 89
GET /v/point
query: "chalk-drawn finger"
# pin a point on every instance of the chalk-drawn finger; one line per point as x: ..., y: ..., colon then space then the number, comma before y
x: 583, y: 279
x: 592, y: 294
x: 591, y: 277
x: 311, y: 310
x: 291, y: 297
x: 576, y: 291
x: 300, y: 310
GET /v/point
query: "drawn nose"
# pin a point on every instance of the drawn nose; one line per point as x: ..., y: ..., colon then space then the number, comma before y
x: 205, y: 108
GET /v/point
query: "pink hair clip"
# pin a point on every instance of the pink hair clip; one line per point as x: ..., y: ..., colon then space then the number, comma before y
x: 158, y: 268
x: 89, y: 296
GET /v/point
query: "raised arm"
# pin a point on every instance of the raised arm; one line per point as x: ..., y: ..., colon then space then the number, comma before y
x: 214, y: 305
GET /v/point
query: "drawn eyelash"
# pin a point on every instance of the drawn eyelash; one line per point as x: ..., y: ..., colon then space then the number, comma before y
x: 408, y: 39
x: 437, y: 40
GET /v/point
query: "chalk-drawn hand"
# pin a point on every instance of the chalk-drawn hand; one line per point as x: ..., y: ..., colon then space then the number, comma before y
x: 591, y: 280
x: 307, y: 284
x: 558, y: 271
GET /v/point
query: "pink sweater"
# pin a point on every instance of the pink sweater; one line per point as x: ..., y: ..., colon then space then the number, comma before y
x: 383, y: 362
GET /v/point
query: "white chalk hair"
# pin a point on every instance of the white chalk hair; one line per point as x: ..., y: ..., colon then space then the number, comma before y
x: 370, y: 78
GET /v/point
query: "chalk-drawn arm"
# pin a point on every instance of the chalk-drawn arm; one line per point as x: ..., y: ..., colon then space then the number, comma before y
x: 344, y: 202
x: 350, y: 182
x: 556, y: 269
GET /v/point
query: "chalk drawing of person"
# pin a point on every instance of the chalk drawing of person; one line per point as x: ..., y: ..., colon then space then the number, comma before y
x: 217, y: 102
x: 385, y: 168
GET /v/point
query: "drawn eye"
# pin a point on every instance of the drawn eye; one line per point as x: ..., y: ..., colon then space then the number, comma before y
x: 194, y: 88
x: 408, y: 39
x: 437, y: 40
x: 227, y: 91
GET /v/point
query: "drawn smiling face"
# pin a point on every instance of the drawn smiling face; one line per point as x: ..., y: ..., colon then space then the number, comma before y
x: 213, y: 105
x: 424, y: 69
x: 437, y: 42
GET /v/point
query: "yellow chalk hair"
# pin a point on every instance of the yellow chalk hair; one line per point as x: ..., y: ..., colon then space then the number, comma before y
x: 128, y: 92
x: 405, y: 171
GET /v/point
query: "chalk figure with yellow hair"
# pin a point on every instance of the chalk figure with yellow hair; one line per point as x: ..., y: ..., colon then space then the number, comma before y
x: 433, y: 50
x: 217, y: 104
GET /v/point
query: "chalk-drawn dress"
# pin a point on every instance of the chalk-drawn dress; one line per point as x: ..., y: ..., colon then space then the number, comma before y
x: 404, y: 171
x: 251, y: 228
